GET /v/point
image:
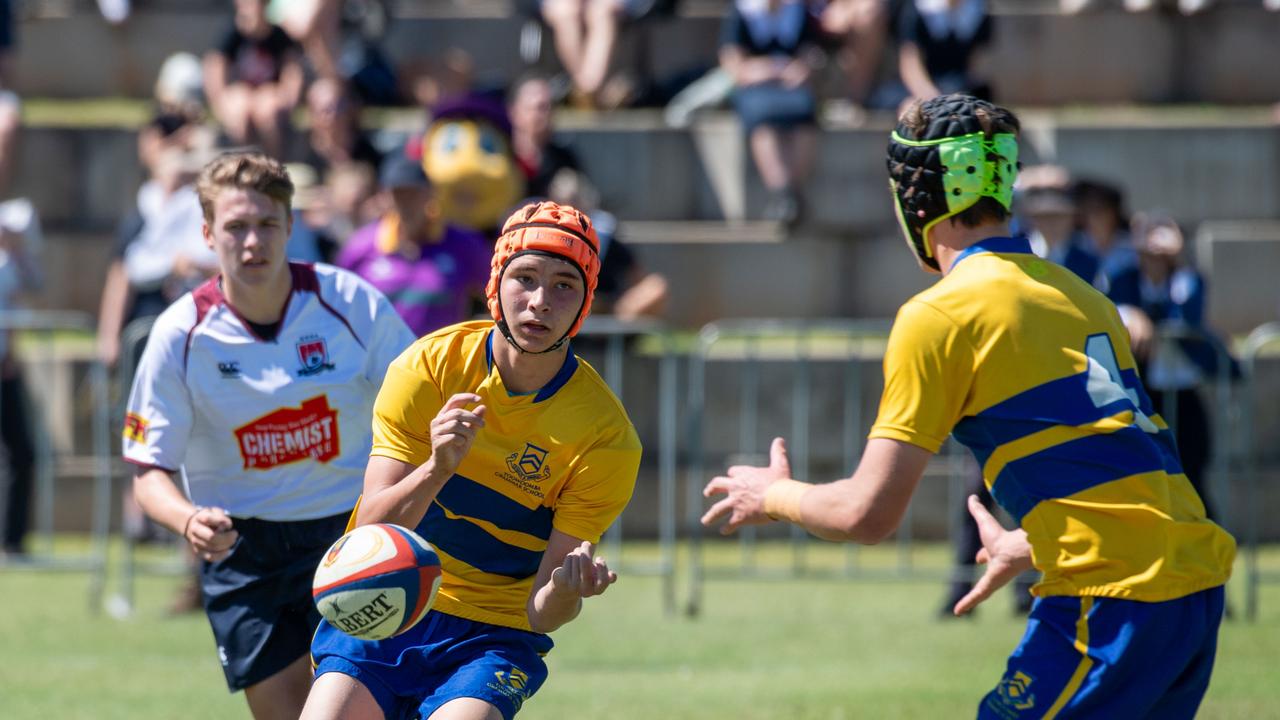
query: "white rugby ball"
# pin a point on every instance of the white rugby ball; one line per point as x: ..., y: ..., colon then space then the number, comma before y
x: 377, y: 581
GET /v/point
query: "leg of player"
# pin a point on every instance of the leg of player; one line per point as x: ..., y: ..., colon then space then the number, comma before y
x: 280, y: 695
x: 466, y: 709
x: 334, y: 696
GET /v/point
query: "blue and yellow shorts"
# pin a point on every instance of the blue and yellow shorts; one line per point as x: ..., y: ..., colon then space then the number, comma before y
x: 1090, y: 657
x: 440, y: 659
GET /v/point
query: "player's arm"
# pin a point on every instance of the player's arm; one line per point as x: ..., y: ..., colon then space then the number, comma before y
x: 399, y: 492
x: 207, y: 529
x: 865, y: 508
x: 567, y: 574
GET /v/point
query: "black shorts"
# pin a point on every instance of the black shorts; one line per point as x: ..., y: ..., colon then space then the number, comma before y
x: 258, y: 598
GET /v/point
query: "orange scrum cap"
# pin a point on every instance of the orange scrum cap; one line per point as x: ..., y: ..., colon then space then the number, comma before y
x: 551, y: 229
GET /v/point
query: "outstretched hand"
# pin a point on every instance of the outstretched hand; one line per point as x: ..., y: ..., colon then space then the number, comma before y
x: 744, y: 487
x: 1006, y: 553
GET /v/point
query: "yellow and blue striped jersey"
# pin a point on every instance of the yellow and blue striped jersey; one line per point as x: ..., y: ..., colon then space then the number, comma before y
x: 1030, y: 368
x: 565, y: 457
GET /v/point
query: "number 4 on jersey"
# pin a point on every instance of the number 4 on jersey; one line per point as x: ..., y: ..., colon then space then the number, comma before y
x: 1105, y: 384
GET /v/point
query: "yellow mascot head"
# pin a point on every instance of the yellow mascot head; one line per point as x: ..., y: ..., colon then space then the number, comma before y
x: 466, y: 151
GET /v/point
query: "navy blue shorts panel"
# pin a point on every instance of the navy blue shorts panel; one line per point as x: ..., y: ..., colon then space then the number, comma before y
x: 258, y: 598
x: 443, y: 658
x: 1108, y: 658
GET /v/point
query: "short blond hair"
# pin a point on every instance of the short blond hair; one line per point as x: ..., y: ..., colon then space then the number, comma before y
x: 245, y: 171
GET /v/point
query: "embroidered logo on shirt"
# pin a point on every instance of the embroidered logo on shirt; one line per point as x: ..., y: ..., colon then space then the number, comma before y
x: 314, y: 354
x: 135, y: 428
x: 229, y: 369
x: 527, y: 467
x: 290, y: 434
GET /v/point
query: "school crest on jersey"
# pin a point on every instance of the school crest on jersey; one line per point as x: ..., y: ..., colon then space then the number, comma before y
x: 527, y: 468
x: 313, y: 352
x: 290, y: 434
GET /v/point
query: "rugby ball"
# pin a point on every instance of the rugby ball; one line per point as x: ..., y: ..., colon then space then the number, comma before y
x: 376, y: 581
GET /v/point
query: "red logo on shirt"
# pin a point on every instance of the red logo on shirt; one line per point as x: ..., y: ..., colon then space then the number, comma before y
x: 290, y: 434
x: 135, y: 428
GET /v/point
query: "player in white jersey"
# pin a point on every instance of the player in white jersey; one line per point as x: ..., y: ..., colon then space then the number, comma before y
x: 256, y: 390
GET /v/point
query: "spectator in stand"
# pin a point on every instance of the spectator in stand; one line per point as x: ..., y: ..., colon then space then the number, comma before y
x: 1051, y: 217
x: 1164, y: 291
x: 1186, y: 7
x: 941, y: 46
x: 21, y: 272
x: 769, y: 47
x: 625, y: 290
x: 433, y: 273
x: 586, y: 32
x: 1105, y: 222
x: 254, y: 79
x: 352, y: 200
x: 539, y: 155
x: 341, y: 41
x: 861, y: 29
x: 335, y: 135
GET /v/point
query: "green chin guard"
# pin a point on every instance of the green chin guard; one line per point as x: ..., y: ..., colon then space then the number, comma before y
x: 972, y: 167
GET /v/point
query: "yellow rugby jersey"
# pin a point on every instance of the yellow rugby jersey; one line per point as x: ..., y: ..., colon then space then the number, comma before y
x: 565, y: 457
x: 1030, y: 368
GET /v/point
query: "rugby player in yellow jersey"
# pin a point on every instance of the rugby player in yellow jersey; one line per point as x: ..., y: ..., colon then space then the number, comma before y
x: 511, y: 457
x: 1030, y: 368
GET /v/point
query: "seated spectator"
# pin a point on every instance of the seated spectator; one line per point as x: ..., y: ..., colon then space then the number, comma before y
x: 625, y: 289
x: 585, y: 34
x: 432, y: 273
x: 253, y: 79
x: 335, y: 135
x: 861, y: 28
x: 538, y: 154
x: 1051, y: 220
x: 341, y: 40
x: 769, y: 47
x: 941, y: 47
x: 1164, y: 291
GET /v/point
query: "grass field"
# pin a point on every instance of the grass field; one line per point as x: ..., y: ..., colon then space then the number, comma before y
x: 799, y: 649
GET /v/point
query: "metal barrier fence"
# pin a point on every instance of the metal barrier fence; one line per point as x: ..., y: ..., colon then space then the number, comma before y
x: 1262, y: 340
x: 121, y: 604
x: 619, y: 363
x: 41, y: 329
x: 853, y: 350
x: 857, y: 346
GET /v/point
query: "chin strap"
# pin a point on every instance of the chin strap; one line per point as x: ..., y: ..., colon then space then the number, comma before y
x: 506, y: 333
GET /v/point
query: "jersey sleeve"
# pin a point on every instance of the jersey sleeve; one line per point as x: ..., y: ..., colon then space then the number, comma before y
x: 159, y: 414
x: 599, y: 489
x: 390, y: 338
x: 928, y: 371
x: 402, y: 413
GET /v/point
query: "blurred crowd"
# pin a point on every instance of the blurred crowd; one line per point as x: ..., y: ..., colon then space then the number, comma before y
x: 415, y: 211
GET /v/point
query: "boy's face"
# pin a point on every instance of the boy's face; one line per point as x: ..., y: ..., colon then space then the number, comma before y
x: 248, y: 233
x: 541, y: 297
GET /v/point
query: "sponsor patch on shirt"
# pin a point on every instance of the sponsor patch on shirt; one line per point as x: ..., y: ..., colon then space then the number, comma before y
x: 135, y: 428
x: 290, y: 434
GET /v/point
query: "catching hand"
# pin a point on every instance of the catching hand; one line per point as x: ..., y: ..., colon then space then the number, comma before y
x: 744, y: 487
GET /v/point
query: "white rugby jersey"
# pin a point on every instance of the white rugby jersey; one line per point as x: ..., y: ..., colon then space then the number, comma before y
x: 280, y: 429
